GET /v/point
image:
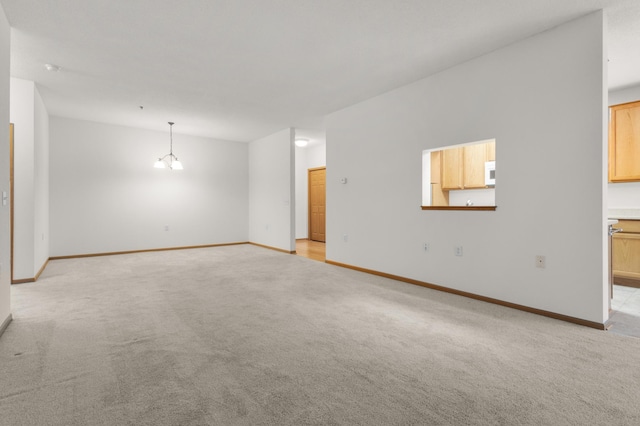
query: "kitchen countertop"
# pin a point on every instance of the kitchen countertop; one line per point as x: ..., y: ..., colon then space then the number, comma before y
x: 625, y: 214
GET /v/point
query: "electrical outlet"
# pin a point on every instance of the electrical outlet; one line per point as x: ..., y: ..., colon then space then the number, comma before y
x: 166, y: 227
x: 541, y: 261
x: 458, y: 250
x: 345, y: 238
x: 425, y: 246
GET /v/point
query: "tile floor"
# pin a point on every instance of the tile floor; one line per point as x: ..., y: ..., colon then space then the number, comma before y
x: 625, y: 311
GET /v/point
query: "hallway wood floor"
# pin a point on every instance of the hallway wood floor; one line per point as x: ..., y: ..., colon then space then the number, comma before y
x: 314, y: 250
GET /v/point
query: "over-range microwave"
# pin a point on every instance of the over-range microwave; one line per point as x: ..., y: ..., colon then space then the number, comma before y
x: 490, y: 173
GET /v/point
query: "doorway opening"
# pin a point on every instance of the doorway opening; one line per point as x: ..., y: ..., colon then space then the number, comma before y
x: 310, y: 194
x: 313, y: 247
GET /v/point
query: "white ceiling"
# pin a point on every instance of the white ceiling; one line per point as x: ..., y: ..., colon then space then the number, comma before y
x: 243, y: 69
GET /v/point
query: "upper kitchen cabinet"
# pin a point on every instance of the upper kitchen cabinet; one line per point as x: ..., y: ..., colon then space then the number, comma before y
x: 439, y: 197
x: 464, y: 167
x: 624, y: 142
x: 449, y: 171
x: 491, y: 151
x: 475, y: 157
x: 451, y: 168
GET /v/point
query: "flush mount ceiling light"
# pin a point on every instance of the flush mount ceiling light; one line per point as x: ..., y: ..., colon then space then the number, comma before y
x: 52, y: 67
x: 302, y: 142
x: 169, y: 160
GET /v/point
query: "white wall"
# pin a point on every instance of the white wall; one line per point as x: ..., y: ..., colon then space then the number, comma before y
x: 302, y: 189
x: 306, y: 158
x: 621, y: 96
x: 106, y: 196
x: 272, y: 190
x: 5, y: 216
x: 22, y: 117
x: 40, y: 184
x: 624, y: 195
x: 31, y: 179
x: 317, y: 155
x: 545, y: 108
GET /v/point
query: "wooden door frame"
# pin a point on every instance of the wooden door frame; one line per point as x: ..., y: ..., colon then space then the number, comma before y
x: 313, y: 169
x: 11, y: 186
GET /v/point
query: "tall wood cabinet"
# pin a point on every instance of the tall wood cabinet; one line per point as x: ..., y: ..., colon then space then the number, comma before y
x: 624, y: 142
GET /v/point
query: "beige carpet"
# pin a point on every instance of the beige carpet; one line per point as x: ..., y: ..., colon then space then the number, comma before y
x: 243, y: 335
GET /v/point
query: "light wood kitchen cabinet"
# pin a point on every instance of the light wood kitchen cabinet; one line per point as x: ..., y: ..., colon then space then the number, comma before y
x: 624, y: 142
x: 451, y: 168
x: 463, y: 168
x: 474, y: 158
x: 439, y: 197
x: 626, y: 253
x: 491, y: 151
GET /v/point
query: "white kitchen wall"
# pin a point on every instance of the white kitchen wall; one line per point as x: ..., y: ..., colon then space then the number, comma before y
x: 31, y: 179
x: 479, y: 197
x: 624, y: 195
x: 5, y: 216
x: 306, y: 158
x: 546, y: 109
x: 272, y: 191
x: 621, y: 96
x: 106, y: 196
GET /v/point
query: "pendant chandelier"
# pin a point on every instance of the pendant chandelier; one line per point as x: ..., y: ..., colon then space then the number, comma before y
x: 169, y: 160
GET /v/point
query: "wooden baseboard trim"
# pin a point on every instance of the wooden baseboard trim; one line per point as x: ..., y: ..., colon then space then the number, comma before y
x: 34, y: 279
x: 115, y: 253
x: 627, y: 282
x: 23, y: 281
x: 44, y: 265
x: 273, y: 248
x: 542, y: 312
x: 5, y: 324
